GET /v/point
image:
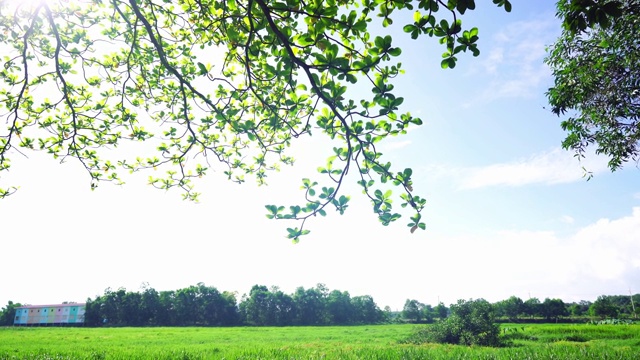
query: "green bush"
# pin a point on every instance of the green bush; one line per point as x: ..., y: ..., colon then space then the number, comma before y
x: 471, y: 322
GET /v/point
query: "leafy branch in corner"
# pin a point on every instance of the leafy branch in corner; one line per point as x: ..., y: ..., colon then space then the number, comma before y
x: 224, y: 85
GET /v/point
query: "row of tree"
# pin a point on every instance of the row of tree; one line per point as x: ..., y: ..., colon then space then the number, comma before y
x: 202, y: 305
x: 515, y: 309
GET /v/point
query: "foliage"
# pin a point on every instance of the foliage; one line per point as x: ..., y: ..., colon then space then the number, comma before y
x: 441, y: 311
x: 626, y: 304
x: 553, y: 309
x: 603, y: 307
x: 413, y: 310
x: 8, y: 313
x: 202, y: 305
x: 265, y: 307
x: 531, y: 307
x: 365, y: 311
x: 579, y: 309
x: 311, y: 305
x: 511, y: 307
x: 471, y: 322
x: 195, y: 305
x: 578, y: 15
x: 223, y: 85
x: 339, y: 307
x: 596, y: 66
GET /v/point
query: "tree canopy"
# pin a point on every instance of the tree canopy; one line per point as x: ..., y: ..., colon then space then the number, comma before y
x: 218, y: 85
x: 8, y: 313
x: 596, y: 66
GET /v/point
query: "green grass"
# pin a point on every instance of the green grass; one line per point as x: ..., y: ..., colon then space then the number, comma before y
x: 604, y: 335
x: 539, y: 341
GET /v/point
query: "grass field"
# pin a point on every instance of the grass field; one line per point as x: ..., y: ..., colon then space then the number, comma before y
x: 357, y: 342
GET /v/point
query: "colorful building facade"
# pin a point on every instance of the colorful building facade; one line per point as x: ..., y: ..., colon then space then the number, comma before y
x: 50, y: 314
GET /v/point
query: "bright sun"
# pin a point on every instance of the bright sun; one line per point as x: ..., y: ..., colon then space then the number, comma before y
x: 28, y: 4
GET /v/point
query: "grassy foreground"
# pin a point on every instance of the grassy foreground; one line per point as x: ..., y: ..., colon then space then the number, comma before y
x: 357, y: 342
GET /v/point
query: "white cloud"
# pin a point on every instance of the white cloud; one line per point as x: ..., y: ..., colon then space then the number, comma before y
x: 496, y: 56
x: 397, y: 145
x: 567, y: 219
x: 552, y: 167
x: 609, y: 248
x: 601, y: 258
x: 518, y: 52
x: 523, y: 85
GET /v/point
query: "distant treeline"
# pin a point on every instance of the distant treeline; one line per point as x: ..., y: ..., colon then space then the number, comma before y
x: 533, y: 310
x: 606, y: 306
x: 202, y: 305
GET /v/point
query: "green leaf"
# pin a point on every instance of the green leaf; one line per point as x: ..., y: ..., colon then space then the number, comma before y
x: 395, y: 51
x: 379, y: 42
x: 409, y: 28
x: 448, y: 63
x: 203, y: 69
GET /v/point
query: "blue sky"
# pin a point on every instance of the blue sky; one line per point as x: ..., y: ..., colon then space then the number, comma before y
x: 508, y: 211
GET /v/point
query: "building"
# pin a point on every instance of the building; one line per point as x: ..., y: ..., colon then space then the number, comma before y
x: 60, y: 314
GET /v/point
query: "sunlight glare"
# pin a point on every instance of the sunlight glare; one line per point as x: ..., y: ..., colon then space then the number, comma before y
x: 30, y: 4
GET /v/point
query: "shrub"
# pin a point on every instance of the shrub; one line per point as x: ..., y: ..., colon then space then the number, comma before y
x: 471, y: 322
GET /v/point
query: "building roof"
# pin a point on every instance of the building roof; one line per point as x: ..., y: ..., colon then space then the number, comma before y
x: 50, y: 305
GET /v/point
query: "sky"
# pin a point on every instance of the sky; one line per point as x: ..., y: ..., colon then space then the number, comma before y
x: 509, y: 212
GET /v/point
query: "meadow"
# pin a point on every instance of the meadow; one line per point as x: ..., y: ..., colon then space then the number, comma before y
x: 524, y: 341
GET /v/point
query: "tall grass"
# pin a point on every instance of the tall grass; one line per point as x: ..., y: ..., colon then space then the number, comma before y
x: 358, y: 342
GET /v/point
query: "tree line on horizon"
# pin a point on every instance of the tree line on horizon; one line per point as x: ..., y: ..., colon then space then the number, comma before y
x: 202, y: 305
